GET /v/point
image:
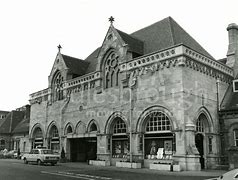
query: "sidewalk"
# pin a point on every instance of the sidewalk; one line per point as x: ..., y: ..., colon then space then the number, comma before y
x: 203, y: 173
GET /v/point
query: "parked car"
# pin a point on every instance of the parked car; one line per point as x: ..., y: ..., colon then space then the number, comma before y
x: 41, y: 156
x: 10, y: 154
x: 233, y: 174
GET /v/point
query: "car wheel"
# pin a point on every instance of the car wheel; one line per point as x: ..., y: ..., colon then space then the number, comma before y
x: 25, y: 161
x: 39, y: 162
x: 52, y: 164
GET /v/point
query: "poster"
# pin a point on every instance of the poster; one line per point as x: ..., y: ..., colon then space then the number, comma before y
x: 168, y: 147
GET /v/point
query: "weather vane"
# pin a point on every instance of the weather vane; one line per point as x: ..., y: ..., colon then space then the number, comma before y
x: 111, y: 19
x: 59, y: 47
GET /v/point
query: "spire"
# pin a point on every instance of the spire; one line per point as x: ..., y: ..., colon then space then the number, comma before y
x: 59, y: 47
x: 111, y: 20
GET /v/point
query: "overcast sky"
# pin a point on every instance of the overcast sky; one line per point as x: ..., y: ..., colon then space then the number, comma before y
x: 32, y: 29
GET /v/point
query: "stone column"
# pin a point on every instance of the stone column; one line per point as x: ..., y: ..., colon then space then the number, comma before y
x: 192, y: 154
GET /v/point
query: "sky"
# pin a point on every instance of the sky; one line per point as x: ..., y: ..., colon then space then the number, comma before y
x: 31, y: 30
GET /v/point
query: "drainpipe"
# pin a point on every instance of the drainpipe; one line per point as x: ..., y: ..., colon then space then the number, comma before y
x: 131, y: 111
x: 132, y: 82
x: 217, y: 88
x: 61, y: 118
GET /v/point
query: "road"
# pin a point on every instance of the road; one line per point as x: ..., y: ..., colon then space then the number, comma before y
x: 17, y: 170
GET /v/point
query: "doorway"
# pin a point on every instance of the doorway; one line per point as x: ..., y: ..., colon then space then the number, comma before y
x: 83, y: 149
x: 199, y: 144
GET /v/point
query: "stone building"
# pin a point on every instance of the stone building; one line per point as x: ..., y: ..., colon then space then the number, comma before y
x: 14, y: 130
x: 228, y: 110
x: 146, y: 96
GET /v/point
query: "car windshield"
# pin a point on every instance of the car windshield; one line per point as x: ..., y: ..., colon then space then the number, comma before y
x: 46, y: 151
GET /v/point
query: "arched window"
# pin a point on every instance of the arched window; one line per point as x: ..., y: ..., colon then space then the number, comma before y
x: 57, y: 87
x: 69, y: 130
x: 119, y: 127
x: 54, y: 139
x: 158, y: 138
x: 37, y: 138
x: 200, y: 123
x: 158, y: 121
x: 93, y: 127
x: 111, y: 70
x: 120, y: 141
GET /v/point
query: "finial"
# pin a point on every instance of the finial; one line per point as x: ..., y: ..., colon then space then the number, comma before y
x: 59, y: 47
x: 111, y: 19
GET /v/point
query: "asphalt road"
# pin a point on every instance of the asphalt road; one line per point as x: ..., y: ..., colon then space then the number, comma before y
x: 17, y: 170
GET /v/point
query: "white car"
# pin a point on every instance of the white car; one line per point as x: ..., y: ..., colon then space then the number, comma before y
x: 233, y: 174
x: 41, y: 156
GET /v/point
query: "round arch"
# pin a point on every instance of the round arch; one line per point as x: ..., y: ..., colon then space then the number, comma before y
x: 141, y: 123
x: 90, y: 123
x: 110, y: 121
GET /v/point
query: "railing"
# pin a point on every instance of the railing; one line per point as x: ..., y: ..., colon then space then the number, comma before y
x: 82, y: 79
x: 179, y: 50
x: 39, y: 93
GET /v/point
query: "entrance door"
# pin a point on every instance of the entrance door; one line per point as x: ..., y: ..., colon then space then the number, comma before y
x: 199, y: 144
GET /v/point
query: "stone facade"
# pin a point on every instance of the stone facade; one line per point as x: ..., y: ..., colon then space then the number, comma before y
x: 130, y: 103
x: 228, y: 112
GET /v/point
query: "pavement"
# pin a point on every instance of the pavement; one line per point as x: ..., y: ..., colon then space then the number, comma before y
x: 202, y: 173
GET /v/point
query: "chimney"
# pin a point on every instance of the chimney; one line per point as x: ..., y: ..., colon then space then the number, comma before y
x: 28, y: 111
x: 232, y: 53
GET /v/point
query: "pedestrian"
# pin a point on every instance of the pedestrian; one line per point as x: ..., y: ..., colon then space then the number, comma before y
x: 18, y: 153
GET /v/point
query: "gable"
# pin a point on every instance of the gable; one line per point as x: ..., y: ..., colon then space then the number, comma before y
x: 59, y: 65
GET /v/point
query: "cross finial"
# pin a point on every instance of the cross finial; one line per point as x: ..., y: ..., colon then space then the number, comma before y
x: 111, y: 19
x: 59, y: 47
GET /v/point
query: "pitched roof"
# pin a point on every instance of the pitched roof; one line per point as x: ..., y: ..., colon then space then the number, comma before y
x: 11, y: 121
x: 92, y: 60
x: 22, y: 127
x: 135, y: 45
x: 164, y: 34
x: 76, y: 66
x: 3, y: 112
x: 160, y: 35
x: 224, y: 60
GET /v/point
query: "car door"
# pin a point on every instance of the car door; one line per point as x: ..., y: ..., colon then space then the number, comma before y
x: 35, y: 155
x: 29, y: 156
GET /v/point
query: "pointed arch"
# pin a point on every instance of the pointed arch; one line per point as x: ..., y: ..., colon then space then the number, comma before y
x: 80, y: 128
x: 52, y: 124
x: 69, y: 128
x: 37, y: 135
x: 142, y: 120
x: 110, y: 122
x: 57, y: 86
x: 93, y: 126
x: 110, y: 67
x: 34, y: 128
x: 206, y: 118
